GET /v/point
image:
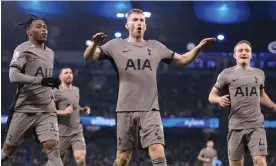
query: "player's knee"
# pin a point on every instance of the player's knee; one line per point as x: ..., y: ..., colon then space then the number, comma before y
x: 123, y: 157
x: 49, y: 145
x: 80, y: 158
x: 8, y: 149
x: 156, y: 151
x: 259, y: 160
x: 236, y: 162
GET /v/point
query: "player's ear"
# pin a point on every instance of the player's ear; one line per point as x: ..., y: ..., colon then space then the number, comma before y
x: 126, y: 25
x: 60, y: 76
x: 29, y: 32
x: 234, y: 55
x: 145, y: 26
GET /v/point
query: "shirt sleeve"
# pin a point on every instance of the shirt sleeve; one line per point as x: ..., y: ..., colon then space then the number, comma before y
x: 201, y: 153
x: 19, y: 59
x: 106, y: 49
x: 165, y: 53
x: 222, y: 80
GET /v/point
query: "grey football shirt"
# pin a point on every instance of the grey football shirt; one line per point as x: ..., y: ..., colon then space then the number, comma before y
x: 36, y: 62
x: 69, y: 124
x: 243, y: 87
x: 136, y: 65
x: 208, y: 153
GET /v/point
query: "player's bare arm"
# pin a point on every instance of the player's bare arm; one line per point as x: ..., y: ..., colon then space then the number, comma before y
x: 215, y: 98
x: 92, y: 52
x: 189, y: 57
x: 67, y: 111
x: 265, y: 100
x: 203, y: 159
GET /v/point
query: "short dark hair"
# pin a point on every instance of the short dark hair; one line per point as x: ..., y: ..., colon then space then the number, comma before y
x: 139, y: 11
x: 27, y: 24
x: 243, y: 41
x: 65, y: 67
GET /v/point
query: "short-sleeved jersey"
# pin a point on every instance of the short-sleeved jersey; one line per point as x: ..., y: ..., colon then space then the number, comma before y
x: 136, y: 64
x: 36, y: 62
x: 208, y: 153
x: 243, y: 87
x: 69, y: 124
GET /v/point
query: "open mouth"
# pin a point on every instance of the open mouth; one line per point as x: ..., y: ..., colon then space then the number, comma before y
x: 243, y: 57
x: 44, y: 36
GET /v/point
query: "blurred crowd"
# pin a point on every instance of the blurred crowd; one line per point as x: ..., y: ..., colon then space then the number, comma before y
x: 182, y: 149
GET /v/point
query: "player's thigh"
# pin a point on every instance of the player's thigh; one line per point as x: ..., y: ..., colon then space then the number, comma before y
x: 20, y: 126
x: 236, y: 145
x: 124, y: 131
x: 47, y: 127
x: 151, y: 131
x: 78, y: 142
x: 257, y: 143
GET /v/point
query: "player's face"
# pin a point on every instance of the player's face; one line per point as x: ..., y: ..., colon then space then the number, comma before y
x: 243, y: 54
x: 38, y: 31
x: 66, y: 76
x: 136, y: 25
x: 210, y: 144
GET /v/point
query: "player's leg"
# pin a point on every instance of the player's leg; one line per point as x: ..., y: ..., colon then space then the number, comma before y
x: 7, y: 152
x: 19, y: 126
x: 157, y: 155
x: 152, y: 136
x: 259, y: 160
x: 47, y: 131
x: 125, y: 138
x: 236, y: 147
x: 79, y: 149
x: 257, y: 146
x: 236, y: 162
x: 63, y: 145
x: 79, y: 156
x: 122, y: 157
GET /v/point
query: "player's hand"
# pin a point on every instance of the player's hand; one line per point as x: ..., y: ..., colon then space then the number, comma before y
x: 50, y: 82
x: 68, y: 110
x: 205, y: 43
x: 99, y: 37
x: 207, y: 159
x: 86, y: 110
x: 224, y: 101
